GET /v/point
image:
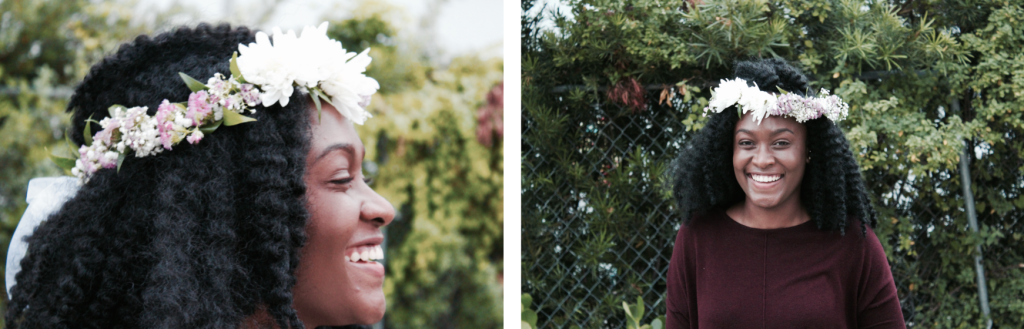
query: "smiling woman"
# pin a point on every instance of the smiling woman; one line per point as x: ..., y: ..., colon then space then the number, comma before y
x: 249, y: 222
x: 767, y: 198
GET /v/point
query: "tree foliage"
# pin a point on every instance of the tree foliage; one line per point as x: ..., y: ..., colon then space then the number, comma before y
x: 923, y: 78
x: 444, y: 248
x: 45, y: 48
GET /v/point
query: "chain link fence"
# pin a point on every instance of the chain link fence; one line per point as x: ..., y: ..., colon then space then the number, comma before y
x: 598, y: 228
x: 598, y: 225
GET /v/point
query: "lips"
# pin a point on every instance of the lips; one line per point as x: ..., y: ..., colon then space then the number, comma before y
x: 363, y: 256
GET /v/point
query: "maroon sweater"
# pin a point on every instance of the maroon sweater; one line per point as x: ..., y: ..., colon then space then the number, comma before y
x: 727, y: 275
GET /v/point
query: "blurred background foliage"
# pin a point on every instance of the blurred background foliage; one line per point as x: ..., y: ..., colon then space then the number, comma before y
x: 613, y: 89
x: 444, y: 251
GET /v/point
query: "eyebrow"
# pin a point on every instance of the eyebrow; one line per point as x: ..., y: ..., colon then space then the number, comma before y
x: 340, y: 146
x: 776, y: 132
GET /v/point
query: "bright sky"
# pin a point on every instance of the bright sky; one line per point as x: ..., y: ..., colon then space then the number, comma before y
x: 460, y: 26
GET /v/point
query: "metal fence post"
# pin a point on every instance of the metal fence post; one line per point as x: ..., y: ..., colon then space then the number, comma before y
x: 972, y: 220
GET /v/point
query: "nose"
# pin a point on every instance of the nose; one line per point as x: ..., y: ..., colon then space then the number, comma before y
x: 763, y: 158
x: 376, y: 210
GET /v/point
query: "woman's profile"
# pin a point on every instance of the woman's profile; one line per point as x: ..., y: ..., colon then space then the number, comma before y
x: 777, y: 223
x: 221, y: 187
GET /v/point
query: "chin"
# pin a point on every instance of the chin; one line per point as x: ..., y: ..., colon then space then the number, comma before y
x: 374, y: 313
x: 765, y: 202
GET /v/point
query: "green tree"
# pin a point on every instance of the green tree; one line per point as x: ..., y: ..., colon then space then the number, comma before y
x: 45, y: 48
x: 613, y: 83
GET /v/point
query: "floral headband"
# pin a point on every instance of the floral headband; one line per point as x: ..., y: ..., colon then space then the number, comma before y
x: 763, y: 104
x: 264, y: 73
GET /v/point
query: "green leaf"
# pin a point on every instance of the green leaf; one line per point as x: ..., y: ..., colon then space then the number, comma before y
x: 657, y: 324
x: 235, y: 72
x: 212, y: 126
x: 231, y: 118
x: 110, y: 110
x: 639, y: 309
x: 71, y: 146
x: 120, y: 160
x: 324, y: 96
x: 62, y: 162
x: 316, y: 100
x: 529, y: 316
x: 88, y: 130
x: 784, y: 92
x: 192, y: 84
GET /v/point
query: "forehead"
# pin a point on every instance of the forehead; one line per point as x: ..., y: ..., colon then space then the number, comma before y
x: 770, y: 124
x: 331, y: 128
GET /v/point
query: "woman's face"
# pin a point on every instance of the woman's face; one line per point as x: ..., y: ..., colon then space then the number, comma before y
x: 333, y: 286
x: 769, y: 159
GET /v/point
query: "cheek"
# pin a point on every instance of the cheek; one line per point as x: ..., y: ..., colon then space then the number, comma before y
x: 331, y: 225
x: 739, y: 160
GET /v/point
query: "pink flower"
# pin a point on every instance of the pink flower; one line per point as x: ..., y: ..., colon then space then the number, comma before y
x: 195, y: 137
x: 250, y: 95
x: 489, y: 117
x: 105, y: 134
x: 108, y: 160
x: 165, y: 122
x: 198, y: 107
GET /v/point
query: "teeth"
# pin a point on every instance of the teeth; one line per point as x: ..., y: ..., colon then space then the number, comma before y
x: 366, y: 254
x: 765, y: 178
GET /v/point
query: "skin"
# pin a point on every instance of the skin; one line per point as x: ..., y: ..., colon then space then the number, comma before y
x: 345, y: 214
x: 778, y: 146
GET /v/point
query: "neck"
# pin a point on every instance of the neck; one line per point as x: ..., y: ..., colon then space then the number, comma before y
x: 786, y: 214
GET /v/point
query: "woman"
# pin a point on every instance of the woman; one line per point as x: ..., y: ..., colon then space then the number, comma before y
x: 215, y: 220
x: 767, y: 198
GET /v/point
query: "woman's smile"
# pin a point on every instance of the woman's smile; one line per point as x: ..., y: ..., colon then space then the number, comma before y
x: 763, y: 178
x: 364, y: 256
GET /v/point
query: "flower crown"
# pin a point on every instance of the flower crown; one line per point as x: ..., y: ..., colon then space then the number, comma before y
x: 763, y: 104
x: 265, y: 73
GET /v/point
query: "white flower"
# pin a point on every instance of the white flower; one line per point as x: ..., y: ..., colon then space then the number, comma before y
x: 269, y: 67
x: 311, y: 60
x: 756, y: 101
x: 727, y: 94
x: 347, y: 86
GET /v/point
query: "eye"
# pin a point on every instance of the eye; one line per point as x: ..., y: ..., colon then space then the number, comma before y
x: 342, y: 181
x: 746, y: 142
x: 782, y: 143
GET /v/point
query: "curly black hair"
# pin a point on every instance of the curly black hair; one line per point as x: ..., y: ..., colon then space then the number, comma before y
x: 832, y: 188
x: 203, y: 236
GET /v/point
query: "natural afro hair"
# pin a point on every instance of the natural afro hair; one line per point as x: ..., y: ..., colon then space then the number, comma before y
x: 832, y: 189
x: 202, y: 236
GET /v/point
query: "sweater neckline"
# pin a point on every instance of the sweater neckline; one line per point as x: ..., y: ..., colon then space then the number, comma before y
x: 807, y: 226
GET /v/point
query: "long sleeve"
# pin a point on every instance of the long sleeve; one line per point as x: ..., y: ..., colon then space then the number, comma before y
x: 678, y: 295
x: 878, y: 305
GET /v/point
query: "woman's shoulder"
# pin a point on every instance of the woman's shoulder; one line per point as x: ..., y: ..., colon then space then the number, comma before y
x: 860, y: 240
